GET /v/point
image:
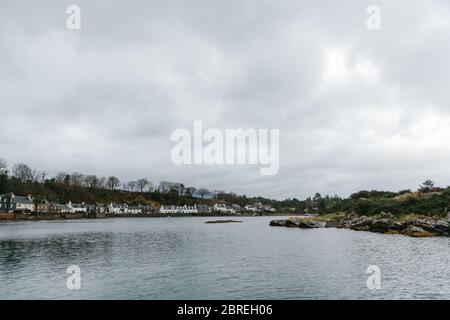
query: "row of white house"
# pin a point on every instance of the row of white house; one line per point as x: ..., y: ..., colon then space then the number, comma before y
x: 218, y: 207
x: 13, y: 203
x: 114, y: 208
x: 259, y: 208
x: 233, y: 209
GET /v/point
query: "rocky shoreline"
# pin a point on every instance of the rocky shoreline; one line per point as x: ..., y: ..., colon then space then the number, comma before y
x: 223, y: 221
x: 386, y: 223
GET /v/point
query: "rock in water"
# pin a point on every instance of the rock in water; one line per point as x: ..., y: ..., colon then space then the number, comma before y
x: 416, y: 232
x: 296, y: 223
x: 278, y: 223
x: 305, y: 224
x: 222, y: 221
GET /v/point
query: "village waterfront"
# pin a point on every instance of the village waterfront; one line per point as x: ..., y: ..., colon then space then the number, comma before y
x: 186, y: 258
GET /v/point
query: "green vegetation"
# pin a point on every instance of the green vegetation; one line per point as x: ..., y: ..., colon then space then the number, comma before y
x: 76, y: 187
x: 427, y: 200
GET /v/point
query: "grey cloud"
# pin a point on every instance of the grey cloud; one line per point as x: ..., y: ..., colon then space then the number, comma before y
x: 356, y: 109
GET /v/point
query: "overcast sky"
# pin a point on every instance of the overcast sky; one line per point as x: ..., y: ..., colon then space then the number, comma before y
x: 356, y: 108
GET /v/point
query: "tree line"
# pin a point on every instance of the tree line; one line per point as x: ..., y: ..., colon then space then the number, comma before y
x: 62, y: 187
x: 78, y: 187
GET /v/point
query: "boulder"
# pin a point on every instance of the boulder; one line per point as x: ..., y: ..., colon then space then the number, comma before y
x: 416, y: 232
x: 431, y: 226
x: 306, y: 224
x: 278, y: 223
x: 442, y: 227
x: 359, y: 224
x: 291, y: 223
x: 222, y: 221
x: 297, y: 223
x: 398, y: 226
x: 380, y: 225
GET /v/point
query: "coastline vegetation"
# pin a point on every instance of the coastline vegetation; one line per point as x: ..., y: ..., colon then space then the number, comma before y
x: 427, y: 200
x: 76, y: 187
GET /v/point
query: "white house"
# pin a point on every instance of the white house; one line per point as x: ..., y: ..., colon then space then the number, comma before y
x: 178, y: 209
x: 220, y: 207
x: 188, y: 209
x: 204, y: 208
x: 13, y: 203
x: 236, y: 207
x: 115, y: 208
x: 267, y: 208
x: 77, y: 207
x: 251, y: 208
x: 59, y: 208
x: 167, y: 209
x: 134, y: 210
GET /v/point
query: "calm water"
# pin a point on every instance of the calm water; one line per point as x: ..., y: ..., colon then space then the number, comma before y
x: 184, y: 258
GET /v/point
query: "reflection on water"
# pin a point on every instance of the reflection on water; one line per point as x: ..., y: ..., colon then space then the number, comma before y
x: 184, y: 258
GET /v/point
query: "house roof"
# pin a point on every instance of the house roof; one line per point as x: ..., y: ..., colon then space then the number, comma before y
x: 120, y: 206
x: 21, y: 199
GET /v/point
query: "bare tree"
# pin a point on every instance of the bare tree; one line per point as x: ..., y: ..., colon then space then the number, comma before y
x: 91, y: 181
x: 141, y: 184
x: 202, y: 192
x: 179, y: 187
x: 102, y: 182
x: 150, y: 186
x: 165, y: 186
x: 426, y: 186
x: 41, y: 175
x: 216, y: 193
x: 22, y: 172
x: 112, y: 183
x: 190, y: 191
x: 132, y: 185
x: 62, y: 177
x: 3, y: 166
x: 76, y: 179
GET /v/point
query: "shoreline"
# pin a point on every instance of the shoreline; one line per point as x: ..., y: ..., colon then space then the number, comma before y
x: 12, y: 217
x: 412, y: 225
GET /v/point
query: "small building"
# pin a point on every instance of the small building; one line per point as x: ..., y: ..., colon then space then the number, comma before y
x: 178, y: 209
x: 11, y: 203
x: 101, y: 208
x: 251, y: 208
x: 265, y: 208
x: 146, y: 209
x: 57, y: 208
x: 237, y: 208
x: 223, y: 208
x: 115, y: 208
x: 204, y: 208
x: 134, y: 210
x: 77, y: 207
x: 168, y: 209
x: 91, y: 208
x: 43, y: 206
x: 188, y: 209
